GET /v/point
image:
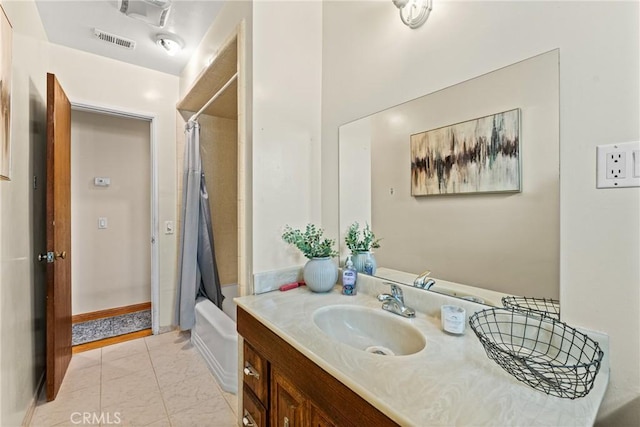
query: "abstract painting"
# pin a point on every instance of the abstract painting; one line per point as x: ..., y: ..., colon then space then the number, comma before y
x: 5, y: 95
x: 476, y: 156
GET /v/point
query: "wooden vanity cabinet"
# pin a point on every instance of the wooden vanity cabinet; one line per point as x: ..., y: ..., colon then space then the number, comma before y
x: 253, y: 411
x: 288, y: 405
x: 290, y: 390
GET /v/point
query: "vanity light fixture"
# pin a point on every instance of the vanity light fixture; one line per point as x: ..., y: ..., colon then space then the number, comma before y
x: 414, y: 13
x: 169, y: 43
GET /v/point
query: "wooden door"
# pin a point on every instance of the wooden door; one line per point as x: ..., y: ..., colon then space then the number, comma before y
x: 58, y: 235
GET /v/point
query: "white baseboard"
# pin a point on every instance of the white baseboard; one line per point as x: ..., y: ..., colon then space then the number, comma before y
x: 26, y: 421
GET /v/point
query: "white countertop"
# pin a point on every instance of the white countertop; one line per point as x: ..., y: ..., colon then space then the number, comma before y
x: 450, y: 382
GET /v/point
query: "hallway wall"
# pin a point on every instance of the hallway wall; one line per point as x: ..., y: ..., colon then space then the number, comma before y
x: 90, y: 79
x: 111, y: 267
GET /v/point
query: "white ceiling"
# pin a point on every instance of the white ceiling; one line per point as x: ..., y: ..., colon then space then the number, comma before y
x: 71, y: 23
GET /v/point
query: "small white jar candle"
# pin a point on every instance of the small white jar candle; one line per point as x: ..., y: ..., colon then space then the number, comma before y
x: 453, y: 319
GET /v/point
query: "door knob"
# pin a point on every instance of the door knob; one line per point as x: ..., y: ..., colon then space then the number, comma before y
x: 47, y: 256
x: 52, y: 256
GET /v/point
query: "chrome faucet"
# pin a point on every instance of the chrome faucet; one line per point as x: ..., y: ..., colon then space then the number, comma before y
x: 394, y: 302
x: 421, y: 281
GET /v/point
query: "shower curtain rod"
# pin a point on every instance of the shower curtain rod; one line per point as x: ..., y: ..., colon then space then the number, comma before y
x: 213, y: 98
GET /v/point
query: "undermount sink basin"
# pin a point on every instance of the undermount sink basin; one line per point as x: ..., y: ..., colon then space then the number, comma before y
x: 370, y: 330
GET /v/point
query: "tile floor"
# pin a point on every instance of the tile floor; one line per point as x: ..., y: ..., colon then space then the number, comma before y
x: 157, y: 381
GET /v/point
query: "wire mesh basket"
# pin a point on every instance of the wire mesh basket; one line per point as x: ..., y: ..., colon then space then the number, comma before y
x: 540, y: 351
x: 546, y: 306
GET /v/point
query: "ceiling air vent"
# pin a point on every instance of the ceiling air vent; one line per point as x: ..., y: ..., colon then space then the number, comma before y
x: 113, y: 39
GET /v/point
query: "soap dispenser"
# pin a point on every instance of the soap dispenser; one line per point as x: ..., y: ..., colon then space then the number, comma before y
x: 349, y: 278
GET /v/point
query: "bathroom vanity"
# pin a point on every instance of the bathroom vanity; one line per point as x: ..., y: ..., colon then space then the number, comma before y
x: 297, y: 374
x: 282, y: 387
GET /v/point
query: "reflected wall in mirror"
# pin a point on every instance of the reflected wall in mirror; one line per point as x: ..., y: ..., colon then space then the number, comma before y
x: 505, y: 242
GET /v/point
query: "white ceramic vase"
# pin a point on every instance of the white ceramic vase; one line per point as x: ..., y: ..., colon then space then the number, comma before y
x: 360, y: 258
x: 320, y: 274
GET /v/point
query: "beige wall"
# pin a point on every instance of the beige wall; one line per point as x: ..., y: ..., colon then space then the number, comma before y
x: 287, y: 85
x: 373, y: 63
x: 22, y: 224
x: 225, y: 23
x: 104, y: 82
x: 219, y: 150
x: 111, y: 267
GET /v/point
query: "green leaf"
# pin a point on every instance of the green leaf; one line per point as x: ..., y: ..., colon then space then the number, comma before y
x: 361, y: 240
x: 310, y: 241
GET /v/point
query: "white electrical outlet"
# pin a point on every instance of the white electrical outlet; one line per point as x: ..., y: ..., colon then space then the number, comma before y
x: 616, y: 165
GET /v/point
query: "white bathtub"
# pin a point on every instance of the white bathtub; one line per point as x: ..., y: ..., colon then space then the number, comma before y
x: 215, y: 337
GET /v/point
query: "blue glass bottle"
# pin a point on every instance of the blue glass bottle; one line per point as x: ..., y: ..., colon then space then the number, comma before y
x: 368, y: 265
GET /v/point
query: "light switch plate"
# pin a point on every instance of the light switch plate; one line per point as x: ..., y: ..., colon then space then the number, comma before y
x: 616, y: 165
x: 102, y: 223
x: 100, y: 181
x: 168, y: 227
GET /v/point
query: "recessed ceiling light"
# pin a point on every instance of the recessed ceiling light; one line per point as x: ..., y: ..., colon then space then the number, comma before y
x: 169, y: 43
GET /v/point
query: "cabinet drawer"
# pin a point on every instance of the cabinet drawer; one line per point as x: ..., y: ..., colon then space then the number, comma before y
x: 254, y: 413
x: 255, y: 373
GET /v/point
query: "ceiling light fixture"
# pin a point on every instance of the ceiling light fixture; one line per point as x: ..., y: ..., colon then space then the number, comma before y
x: 169, y: 43
x: 413, y: 13
x: 153, y: 12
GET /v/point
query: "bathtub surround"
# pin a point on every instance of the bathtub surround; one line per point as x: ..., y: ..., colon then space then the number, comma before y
x: 223, y: 138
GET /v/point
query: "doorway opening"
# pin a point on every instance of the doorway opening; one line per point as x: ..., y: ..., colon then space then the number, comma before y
x: 114, y: 226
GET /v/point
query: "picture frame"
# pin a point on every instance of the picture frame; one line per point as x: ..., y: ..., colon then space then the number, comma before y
x: 6, y: 41
x: 481, y: 155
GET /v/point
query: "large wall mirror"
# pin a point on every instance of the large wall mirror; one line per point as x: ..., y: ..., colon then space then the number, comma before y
x: 505, y: 242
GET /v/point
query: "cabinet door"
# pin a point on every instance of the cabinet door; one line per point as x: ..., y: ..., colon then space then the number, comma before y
x: 288, y: 405
x: 253, y: 413
x: 318, y: 418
